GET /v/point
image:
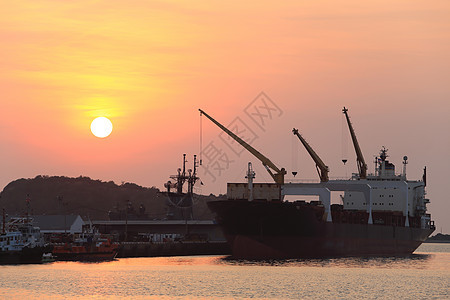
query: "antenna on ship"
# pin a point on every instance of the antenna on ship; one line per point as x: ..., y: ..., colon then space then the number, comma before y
x: 250, y: 176
x: 375, y: 161
x: 405, y: 162
x: 424, y: 176
x: 184, y: 164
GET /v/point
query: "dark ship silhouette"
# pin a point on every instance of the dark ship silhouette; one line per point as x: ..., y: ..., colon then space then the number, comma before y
x: 380, y: 214
x: 180, y: 203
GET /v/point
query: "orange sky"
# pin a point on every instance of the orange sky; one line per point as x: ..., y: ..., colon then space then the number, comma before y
x: 149, y: 66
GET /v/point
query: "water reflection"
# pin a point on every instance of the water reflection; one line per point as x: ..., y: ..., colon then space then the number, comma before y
x: 223, y: 277
x: 414, y: 261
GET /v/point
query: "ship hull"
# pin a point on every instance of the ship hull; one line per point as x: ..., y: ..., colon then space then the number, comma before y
x: 272, y: 230
x: 69, y: 252
x: 25, y: 256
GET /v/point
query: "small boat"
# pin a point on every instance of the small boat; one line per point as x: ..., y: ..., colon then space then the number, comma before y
x: 88, y: 247
x: 21, y: 242
x: 48, y: 257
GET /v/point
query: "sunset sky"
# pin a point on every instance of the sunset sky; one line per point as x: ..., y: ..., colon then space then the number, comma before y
x: 150, y: 65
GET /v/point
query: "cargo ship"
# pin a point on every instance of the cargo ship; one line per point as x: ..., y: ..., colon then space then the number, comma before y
x: 380, y: 214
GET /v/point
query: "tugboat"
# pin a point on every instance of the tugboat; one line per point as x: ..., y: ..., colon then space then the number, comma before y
x: 21, y: 242
x: 89, y: 246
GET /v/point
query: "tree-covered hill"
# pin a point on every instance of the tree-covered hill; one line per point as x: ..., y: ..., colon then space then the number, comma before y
x: 86, y: 197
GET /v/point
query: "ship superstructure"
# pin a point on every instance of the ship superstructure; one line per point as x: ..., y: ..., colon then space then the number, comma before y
x: 393, y: 197
x: 179, y: 201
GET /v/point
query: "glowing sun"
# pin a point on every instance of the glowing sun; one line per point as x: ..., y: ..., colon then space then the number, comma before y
x: 101, y: 127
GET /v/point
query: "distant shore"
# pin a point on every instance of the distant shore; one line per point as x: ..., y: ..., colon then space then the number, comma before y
x: 439, y: 238
x: 435, y: 242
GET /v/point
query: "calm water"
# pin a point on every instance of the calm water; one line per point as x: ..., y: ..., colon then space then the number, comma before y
x: 424, y: 275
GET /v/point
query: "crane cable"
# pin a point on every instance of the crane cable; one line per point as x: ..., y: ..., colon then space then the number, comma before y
x: 294, y: 153
x: 201, y: 140
x: 344, y: 142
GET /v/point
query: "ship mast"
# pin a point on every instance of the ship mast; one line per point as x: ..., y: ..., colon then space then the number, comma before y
x: 192, y: 177
x: 322, y: 169
x: 181, y: 177
x: 276, y: 173
x: 250, y: 176
x: 362, y: 166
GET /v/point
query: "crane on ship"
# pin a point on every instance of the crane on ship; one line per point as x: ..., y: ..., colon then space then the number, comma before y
x: 322, y: 169
x: 276, y: 173
x: 362, y: 166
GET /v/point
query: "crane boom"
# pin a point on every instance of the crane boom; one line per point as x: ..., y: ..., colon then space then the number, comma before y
x: 362, y: 166
x: 278, y: 177
x: 322, y: 169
